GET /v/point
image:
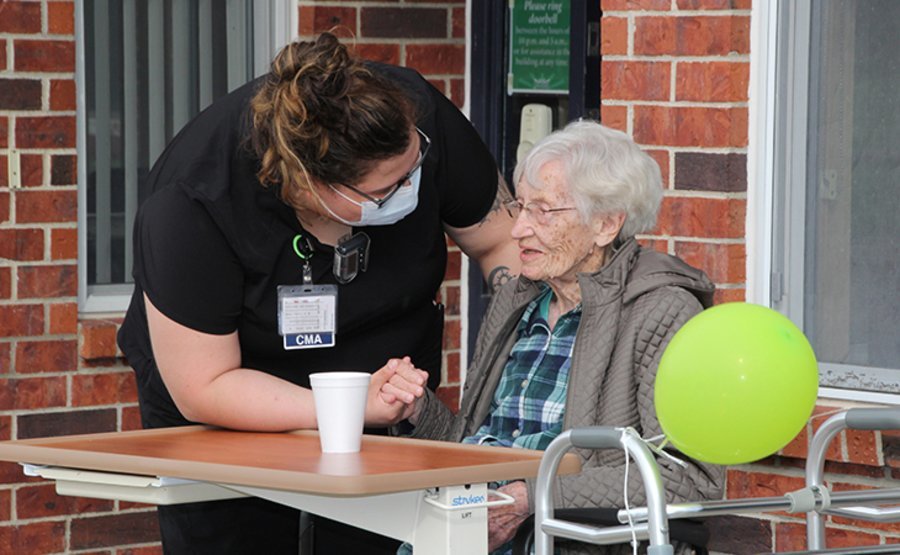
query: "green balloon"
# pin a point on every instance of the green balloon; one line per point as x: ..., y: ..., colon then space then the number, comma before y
x: 736, y: 383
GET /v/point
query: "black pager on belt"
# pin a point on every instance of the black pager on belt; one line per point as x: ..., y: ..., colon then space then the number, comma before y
x: 351, y: 256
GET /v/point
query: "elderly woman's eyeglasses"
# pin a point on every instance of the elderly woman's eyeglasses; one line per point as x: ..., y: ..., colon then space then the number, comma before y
x: 424, y: 147
x: 535, y: 212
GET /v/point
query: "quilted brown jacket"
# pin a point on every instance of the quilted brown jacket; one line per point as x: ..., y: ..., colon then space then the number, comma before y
x: 631, y: 308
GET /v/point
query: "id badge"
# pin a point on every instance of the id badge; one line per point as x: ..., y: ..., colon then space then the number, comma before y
x: 306, y: 315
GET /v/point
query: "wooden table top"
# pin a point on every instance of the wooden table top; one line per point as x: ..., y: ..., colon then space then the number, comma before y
x: 285, y: 461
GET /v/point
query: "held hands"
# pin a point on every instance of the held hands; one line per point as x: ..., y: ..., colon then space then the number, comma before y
x: 393, y: 392
x: 504, y: 520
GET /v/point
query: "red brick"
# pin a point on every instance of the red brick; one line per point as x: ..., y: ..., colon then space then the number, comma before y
x: 131, y: 418
x: 799, y: 446
x: 615, y: 117
x: 736, y: 295
x: 458, y: 92
x: 5, y: 282
x: 2, y: 54
x: 635, y: 80
x: 613, y: 36
x: 61, y: 18
x: 690, y: 126
x: 5, y: 428
x: 98, y: 339
x: 35, y: 538
x: 616, y: 5
x: 4, y: 132
x: 63, y: 318
x: 439, y: 84
x: 661, y: 157
x: 32, y: 166
x: 458, y: 23
x: 5, y: 505
x: 850, y: 469
x: 711, y: 171
x: 63, y: 169
x: 32, y: 393
x: 40, y: 501
x: 103, y: 389
x: 724, y: 263
x: 714, y: 4
x: 46, y: 206
x: 22, y: 244
x: 62, y: 94
x: 64, y: 244
x: 454, y: 266
x: 451, y: 334
x: 21, y: 320
x: 701, y: 217
x: 20, y: 94
x: 692, y: 35
x: 387, y: 53
x: 5, y: 359
x: 432, y: 59
x: 742, y: 484
x: 105, y: 531
x: 862, y: 448
x: 4, y: 172
x: 451, y: 300
x: 712, y: 81
x: 20, y: 17
x: 48, y: 281
x: 45, y: 132
x: 317, y: 19
x: 65, y: 423
x: 790, y: 536
x: 450, y: 397
x: 44, y: 55
x: 46, y: 356
x: 403, y: 23
x: 835, y: 537
x: 453, y: 374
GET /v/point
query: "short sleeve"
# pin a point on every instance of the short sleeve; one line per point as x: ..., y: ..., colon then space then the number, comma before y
x: 183, y: 263
x: 467, y: 173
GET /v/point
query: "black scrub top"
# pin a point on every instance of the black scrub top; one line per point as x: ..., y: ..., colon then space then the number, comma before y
x: 211, y: 245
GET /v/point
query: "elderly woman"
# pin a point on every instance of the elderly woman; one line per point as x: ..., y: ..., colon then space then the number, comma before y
x: 576, y: 339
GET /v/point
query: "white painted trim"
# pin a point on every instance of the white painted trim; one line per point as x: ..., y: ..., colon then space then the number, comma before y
x: 464, y: 267
x: 861, y: 396
x: 760, y: 150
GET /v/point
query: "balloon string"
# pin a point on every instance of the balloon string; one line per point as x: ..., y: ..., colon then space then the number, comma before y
x: 660, y: 449
x: 824, y: 414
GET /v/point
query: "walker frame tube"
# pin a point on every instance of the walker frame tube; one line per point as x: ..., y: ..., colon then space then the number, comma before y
x: 656, y: 529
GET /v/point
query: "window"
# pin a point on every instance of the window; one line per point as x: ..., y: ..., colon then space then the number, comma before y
x: 146, y: 67
x: 835, y: 266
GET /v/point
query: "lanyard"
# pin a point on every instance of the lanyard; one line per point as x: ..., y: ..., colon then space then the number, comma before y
x: 304, y: 251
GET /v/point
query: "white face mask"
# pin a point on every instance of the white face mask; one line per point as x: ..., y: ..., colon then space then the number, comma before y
x: 395, y: 209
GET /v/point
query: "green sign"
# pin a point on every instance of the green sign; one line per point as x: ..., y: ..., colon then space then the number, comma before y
x: 539, y: 46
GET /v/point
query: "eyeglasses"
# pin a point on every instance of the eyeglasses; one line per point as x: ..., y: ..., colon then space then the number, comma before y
x: 535, y: 212
x: 424, y: 146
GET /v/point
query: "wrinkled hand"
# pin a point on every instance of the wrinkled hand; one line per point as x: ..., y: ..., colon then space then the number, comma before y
x: 393, y: 392
x: 504, y: 521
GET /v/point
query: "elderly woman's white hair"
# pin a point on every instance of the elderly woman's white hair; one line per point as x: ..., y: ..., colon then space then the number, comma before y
x: 605, y: 170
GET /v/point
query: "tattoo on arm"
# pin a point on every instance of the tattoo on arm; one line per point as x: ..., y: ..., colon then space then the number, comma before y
x: 503, y: 196
x: 499, y: 277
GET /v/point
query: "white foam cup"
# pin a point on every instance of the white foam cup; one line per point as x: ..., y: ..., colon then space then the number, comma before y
x: 340, y: 399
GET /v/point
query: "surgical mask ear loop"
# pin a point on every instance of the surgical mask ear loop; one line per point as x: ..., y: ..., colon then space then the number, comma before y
x: 303, y: 250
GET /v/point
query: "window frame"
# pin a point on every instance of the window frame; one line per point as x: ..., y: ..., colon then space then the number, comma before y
x: 274, y: 25
x: 778, y: 112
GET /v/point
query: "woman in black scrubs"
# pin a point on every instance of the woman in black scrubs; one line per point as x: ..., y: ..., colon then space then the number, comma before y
x: 255, y: 193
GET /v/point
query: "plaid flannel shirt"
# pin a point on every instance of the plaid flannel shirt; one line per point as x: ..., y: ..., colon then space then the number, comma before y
x: 530, y: 399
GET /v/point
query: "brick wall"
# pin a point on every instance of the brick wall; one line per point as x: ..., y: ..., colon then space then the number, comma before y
x: 675, y: 75
x: 62, y: 375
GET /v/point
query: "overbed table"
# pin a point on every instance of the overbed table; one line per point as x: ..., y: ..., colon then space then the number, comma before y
x: 431, y: 494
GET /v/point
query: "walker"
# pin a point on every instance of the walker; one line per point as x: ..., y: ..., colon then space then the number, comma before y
x: 652, y: 522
